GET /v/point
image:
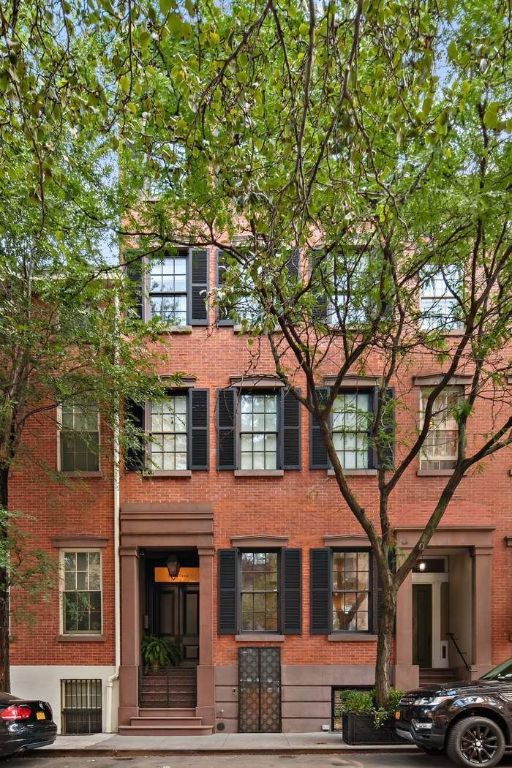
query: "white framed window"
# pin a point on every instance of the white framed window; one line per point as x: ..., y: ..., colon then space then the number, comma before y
x: 168, y: 428
x: 439, y: 450
x: 258, y: 430
x: 352, y: 415
x: 81, y: 592
x: 351, y: 584
x: 259, y: 573
x: 168, y: 289
x: 349, y: 303
x: 79, y: 437
x: 439, y: 301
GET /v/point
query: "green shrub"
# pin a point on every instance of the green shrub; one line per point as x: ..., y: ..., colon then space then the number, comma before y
x: 159, y: 651
x: 363, y: 703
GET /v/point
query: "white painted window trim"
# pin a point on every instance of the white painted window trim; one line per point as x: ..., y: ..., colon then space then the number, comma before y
x: 59, y: 447
x: 62, y: 552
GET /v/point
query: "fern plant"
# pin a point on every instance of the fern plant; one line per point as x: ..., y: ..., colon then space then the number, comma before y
x: 159, y: 652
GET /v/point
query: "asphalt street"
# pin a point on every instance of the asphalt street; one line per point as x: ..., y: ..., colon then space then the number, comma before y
x: 237, y: 761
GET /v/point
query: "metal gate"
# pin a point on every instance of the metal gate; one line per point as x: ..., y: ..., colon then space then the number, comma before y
x: 259, y: 689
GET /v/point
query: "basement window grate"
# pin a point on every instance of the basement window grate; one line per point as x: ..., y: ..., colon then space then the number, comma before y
x: 81, y: 706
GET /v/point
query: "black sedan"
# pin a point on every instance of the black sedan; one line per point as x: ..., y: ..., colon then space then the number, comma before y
x: 24, y: 724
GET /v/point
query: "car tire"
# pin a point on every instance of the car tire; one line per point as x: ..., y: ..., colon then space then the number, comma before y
x: 432, y: 750
x: 476, y: 742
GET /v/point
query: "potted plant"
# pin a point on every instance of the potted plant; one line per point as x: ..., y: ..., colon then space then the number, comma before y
x: 364, y: 723
x: 160, y: 652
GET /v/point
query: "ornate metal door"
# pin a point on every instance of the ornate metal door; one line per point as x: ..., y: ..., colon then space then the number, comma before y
x: 259, y: 690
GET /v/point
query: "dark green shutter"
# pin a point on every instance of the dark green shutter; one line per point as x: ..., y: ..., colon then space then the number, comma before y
x: 198, y: 429
x: 135, y: 454
x: 222, y: 313
x: 134, y: 273
x: 292, y: 264
x: 198, y: 287
x: 290, y: 430
x: 388, y: 427
x: 226, y: 399
x: 318, y: 451
x: 319, y: 313
x: 291, y: 563
x: 228, y: 592
x: 320, y: 593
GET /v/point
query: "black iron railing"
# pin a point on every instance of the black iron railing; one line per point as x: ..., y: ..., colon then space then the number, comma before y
x: 457, y: 648
x: 81, y: 706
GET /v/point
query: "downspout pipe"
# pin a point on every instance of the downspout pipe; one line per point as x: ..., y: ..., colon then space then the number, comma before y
x: 116, y: 454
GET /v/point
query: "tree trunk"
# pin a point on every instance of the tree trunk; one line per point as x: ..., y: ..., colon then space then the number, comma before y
x: 387, y: 615
x: 5, y: 682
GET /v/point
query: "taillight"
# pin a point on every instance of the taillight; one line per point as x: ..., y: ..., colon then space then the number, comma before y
x: 16, y: 712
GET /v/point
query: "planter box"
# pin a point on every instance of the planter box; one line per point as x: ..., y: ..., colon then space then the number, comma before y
x: 360, y: 729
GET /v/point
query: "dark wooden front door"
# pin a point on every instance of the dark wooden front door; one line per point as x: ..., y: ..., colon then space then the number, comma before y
x: 422, y: 624
x: 177, y: 617
x: 259, y: 690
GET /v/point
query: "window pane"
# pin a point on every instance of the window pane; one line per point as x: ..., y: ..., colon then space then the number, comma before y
x: 351, y: 589
x: 259, y: 591
x: 81, y: 597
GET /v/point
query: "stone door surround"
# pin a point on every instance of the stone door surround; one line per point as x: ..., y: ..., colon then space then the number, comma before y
x: 163, y: 525
x: 479, y: 543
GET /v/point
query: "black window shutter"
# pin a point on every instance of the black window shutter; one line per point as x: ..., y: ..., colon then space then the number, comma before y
x: 388, y: 426
x: 135, y: 454
x: 228, y: 592
x: 293, y: 264
x: 226, y: 428
x: 198, y: 429
x: 134, y: 274
x: 291, y: 560
x: 222, y: 314
x: 320, y: 597
x: 319, y: 313
x: 198, y: 309
x: 318, y: 451
x: 290, y: 430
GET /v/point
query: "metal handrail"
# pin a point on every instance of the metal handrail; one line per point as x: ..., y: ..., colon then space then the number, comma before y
x: 457, y: 648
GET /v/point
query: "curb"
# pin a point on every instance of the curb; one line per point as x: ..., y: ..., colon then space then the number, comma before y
x: 119, y: 753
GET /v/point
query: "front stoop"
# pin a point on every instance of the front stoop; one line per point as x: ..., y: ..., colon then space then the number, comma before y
x: 166, y: 722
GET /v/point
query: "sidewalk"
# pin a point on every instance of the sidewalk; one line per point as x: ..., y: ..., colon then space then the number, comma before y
x: 262, y: 743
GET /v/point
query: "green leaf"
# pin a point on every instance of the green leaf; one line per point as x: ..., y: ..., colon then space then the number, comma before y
x: 491, y: 119
x: 124, y: 83
x: 453, y: 51
x: 167, y: 5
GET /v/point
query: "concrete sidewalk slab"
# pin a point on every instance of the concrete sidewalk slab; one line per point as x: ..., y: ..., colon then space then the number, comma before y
x: 270, y: 743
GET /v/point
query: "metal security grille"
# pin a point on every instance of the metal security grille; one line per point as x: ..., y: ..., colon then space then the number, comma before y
x: 259, y: 708
x: 81, y: 706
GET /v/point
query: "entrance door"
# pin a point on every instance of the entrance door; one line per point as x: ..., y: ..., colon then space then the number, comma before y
x: 177, y: 617
x: 259, y: 703
x: 422, y: 624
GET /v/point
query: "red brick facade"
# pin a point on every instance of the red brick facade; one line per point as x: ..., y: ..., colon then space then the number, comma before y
x: 304, y: 506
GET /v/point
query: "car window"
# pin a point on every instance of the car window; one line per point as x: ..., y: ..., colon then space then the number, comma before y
x: 501, y: 672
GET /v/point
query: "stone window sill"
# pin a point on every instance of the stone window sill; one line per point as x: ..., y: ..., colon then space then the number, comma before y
x: 355, y: 472
x: 168, y: 473
x: 81, y: 638
x: 434, y: 472
x: 259, y: 637
x: 259, y: 473
x: 79, y: 474
x: 176, y: 329
x: 239, y: 330
x: 352, y: 637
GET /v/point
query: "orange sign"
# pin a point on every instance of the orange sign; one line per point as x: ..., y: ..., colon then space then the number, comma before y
x: 186, y: 575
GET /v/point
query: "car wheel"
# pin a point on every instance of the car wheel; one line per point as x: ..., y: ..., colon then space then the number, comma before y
x: 476, y: 741
x: 432, y: 750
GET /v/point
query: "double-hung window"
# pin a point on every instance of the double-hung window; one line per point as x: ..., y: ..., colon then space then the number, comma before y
x: 168, y: 445
x: 79, y: 437
x: 258, y: 430
x: 350, y: 591
x: 440, y: 448
x: 168, y: 289
x: 349, y: 303
x: 81, y: 592
x: 259, y: 591
x: 440, y: 299
x: 169, y: 434
x: 352, y: 417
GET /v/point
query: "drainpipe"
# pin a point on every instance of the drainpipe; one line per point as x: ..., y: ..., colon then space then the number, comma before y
x: 110, y: 699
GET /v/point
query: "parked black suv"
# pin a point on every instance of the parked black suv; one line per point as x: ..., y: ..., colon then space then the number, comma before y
x: 471, y: 722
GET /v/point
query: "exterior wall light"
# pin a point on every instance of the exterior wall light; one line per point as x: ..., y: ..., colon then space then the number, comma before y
x: 173, y: 566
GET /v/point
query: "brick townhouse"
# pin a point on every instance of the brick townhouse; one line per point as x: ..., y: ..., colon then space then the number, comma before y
x: 238, y: 545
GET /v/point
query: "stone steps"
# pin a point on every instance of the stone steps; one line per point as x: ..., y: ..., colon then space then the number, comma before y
x: 166, y: 721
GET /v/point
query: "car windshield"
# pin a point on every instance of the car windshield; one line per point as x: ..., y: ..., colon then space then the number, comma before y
x: 501, y: 672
